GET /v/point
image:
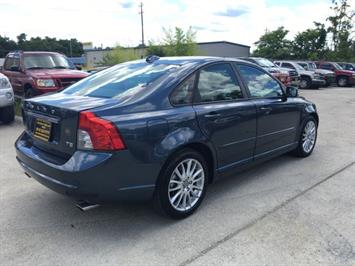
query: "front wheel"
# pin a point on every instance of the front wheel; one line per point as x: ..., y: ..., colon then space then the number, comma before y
x: 308, y: 138
x: 342, y: 82
x: 182, y: 184
x: 305, y: 83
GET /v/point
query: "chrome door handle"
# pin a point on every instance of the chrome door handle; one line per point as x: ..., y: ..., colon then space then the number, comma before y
x: 212, y: 115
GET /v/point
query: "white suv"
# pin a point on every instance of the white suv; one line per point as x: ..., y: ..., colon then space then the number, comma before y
x: 7, y: 109
x: 309, y: 79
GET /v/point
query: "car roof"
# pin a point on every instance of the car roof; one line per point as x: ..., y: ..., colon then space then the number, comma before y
x: 182, y: 60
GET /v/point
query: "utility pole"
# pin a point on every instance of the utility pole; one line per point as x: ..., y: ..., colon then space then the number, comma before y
x: 70, y: 48
x: 141, y: 13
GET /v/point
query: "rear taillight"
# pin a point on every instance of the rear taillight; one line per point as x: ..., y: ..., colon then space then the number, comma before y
x: 95, y: 133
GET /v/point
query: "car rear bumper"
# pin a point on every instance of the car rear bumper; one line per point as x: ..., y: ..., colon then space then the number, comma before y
x: 94, y: 177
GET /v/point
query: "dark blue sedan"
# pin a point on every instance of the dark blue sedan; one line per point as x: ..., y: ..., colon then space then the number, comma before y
x: 161, y: 128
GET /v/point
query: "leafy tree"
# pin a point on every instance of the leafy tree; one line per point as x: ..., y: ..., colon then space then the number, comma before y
x: 341, y: 24
x: 273, y: 44
x: 311, y: 43
x: 6, y: 45
x: 68, y: 47
x: 176, y: 42
x: 120, y: 55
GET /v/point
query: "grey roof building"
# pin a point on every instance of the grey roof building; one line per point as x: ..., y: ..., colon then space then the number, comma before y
x: 94, y: 57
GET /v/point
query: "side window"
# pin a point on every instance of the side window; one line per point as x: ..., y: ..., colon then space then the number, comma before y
x: 218, y: 83
x: 183, y: 93
x: 288, y: 65
x: 259, y: 83
x: 8, y: 63
x: 327, y: 66
x: 12, y: 62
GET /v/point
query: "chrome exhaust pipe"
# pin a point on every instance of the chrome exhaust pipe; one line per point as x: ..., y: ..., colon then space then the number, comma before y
x: 85, y: 206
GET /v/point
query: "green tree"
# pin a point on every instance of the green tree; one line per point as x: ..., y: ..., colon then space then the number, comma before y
x: 6, y: 45
x: 176, y: 42
x: 273, y: 44
x: 311, y: 43
x: 119, y: 55
x: 341, y: 25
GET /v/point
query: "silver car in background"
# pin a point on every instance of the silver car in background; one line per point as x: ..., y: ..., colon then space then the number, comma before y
x: 7, y: 101
x: 309, y: 79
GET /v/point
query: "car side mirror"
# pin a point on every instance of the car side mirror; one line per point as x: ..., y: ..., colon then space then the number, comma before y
x: 291, y: 91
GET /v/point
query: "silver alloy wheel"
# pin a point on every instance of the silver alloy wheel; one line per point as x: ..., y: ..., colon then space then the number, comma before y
x: 303, y: 83
x: 343, y: 82
x: 309, y: 136
x: 186, y: 184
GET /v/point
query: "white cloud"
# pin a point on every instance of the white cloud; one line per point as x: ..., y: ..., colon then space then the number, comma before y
x: 117, y: 21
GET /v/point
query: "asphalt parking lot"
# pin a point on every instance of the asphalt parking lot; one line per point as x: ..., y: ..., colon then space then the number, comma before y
x: 287, y: 211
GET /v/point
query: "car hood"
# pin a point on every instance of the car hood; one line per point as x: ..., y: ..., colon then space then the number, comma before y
x: 346, y: 72
x: 56, y: 73
x: 324, y: 71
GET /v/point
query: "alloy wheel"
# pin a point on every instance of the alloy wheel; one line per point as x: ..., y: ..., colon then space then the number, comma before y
x: 186, y: 184
x: 309, y: 136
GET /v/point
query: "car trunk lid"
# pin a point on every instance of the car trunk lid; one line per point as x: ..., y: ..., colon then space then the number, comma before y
x: 52, y: 120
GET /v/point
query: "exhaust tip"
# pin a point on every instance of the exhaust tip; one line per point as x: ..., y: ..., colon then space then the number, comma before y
x: 86, y: 206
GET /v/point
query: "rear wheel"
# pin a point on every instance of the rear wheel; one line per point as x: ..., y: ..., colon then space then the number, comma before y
x: 7, y: 114
x: 182, y: 185
x: 342, y: 81
x: 308, y: 138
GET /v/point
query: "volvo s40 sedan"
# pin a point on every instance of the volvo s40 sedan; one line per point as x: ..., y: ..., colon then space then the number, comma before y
x: 161, y: 128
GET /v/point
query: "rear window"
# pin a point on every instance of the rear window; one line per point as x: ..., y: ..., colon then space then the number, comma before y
x: 120, y: 81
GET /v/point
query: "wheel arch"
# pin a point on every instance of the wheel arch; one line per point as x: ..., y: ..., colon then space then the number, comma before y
x: 204, y: 149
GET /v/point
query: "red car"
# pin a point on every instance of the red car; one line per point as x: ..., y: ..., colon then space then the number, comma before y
x: 35, y: 73
x: 343, y: 77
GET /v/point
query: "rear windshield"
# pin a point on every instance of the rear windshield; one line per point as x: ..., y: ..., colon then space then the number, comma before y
x: 120, y: 81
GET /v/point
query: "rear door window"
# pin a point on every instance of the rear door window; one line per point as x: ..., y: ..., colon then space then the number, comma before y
x: 183, y: 94
x: 218, y: 83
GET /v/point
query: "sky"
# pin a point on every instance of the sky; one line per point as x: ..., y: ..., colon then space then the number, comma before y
x: 113, y: 22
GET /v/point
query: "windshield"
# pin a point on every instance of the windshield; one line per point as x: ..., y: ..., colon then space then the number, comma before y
x: 45, y: 61
x: 299, y: 67
x: 264, y: 62
x: 312, y: 66
x: 120, y: 81
x: 337, y: 66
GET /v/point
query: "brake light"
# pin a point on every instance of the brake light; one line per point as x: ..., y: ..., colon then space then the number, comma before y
x: 95, y: 133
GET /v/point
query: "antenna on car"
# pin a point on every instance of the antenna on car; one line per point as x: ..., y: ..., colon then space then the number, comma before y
x: 151, y: 58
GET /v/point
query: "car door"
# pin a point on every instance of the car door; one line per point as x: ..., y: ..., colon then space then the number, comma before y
x: 225, y: 115
x: 278, y: 117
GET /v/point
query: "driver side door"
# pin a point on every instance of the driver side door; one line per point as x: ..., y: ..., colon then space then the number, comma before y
x: 278, y: 117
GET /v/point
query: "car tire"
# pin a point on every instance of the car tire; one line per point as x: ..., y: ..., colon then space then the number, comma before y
x: 342, y: 82
x: 307, y: 139
x: 179, y: 191
x: 305, y: 83
x: 29, y: 93
x: 7, y: 114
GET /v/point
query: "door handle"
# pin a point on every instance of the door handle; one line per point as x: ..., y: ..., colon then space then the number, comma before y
x: 212, y: 115
x: 266, y: 109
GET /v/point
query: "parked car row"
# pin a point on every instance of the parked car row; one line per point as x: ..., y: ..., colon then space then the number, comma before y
x: 308, y: 74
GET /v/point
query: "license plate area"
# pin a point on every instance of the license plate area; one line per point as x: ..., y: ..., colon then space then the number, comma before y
x: 42, y: 129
